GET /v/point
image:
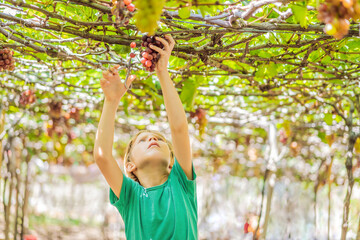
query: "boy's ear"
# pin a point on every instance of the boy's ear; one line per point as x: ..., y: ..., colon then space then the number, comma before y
x: 130, y: 167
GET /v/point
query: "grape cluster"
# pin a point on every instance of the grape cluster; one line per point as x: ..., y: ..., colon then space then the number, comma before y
x: 6, y: 59
x: 119, y: 10
x: 150, y: 57
x: 59, y: 120
x: 74, y: 113
x: 201, y: 119
x: 336, y: 14
x: 55, y: 109
x: 27, y: 97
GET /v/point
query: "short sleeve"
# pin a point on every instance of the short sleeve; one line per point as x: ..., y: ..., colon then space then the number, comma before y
x: 189, y: 185
x: 126, y: 195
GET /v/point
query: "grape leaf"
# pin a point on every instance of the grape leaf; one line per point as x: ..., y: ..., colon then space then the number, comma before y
x: 300, y: 14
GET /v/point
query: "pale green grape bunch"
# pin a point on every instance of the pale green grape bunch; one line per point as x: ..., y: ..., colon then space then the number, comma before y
x: 148, y: 14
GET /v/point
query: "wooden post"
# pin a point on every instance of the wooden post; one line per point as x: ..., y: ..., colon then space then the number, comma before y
x: 2, y: 123
x: 26, y: 194
x: 348, y: 164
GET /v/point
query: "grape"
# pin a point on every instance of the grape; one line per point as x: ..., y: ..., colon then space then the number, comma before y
x: 344, y: 24
x: 347, y: 3
x: 148, y: 63
x: 144, y: 54
x: 131, y: 7
x: 127, y: 2
x: 330, y: 29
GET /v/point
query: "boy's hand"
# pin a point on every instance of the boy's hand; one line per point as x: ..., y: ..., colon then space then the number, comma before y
x: 169, y: 44
x: 112, y: 86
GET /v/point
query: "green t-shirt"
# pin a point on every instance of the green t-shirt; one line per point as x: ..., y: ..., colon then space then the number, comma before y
x: 166, y: 211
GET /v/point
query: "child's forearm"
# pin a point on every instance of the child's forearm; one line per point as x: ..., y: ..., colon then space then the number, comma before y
x: 105, y: 133
x: 174, y: 108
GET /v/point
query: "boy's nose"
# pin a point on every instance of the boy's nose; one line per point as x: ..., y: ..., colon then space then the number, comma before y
x: 151, y: 138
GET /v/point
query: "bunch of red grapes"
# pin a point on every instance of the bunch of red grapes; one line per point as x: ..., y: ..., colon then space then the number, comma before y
x: 27, y: 97
x: 6, y: 59
x: 121, y: 4
x: 150, y: 57
x: 336, y: 14
x: 74, y: 113
x: 119, y: 10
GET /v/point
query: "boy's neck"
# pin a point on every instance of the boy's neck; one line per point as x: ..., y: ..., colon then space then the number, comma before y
x: 150, y: 177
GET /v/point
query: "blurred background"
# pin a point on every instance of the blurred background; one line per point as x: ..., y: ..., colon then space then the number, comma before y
x: 301, y: 198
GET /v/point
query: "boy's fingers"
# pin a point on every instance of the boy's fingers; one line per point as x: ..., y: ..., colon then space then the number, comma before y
x: 131, y: 78
x: 163, y: 41
x: 113, y: 70
x: 171, y: 40
x: 159, y: 50
x: 106, y: 74
x: 103, y: 81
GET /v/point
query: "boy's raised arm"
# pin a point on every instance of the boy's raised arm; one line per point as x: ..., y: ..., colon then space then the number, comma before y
x: 113, y: 90
x: 174, y: 108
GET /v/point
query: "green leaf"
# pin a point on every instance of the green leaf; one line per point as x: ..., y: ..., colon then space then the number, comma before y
x: 300, y: 13
x: 261, y: 71
x: 126, y: 105
x: 204, y: 10
x: 265, y: 54
x: 157, y: 85
x: 188, y: 94
x: 184, y: 12
x: 267, y: 70
x: 119, y: 49
x: 272, y: 70
x: 322, y: 136
x: 326, y: 59
x: 328, y: 118
x: 105, y: 17
x: 31, y: 12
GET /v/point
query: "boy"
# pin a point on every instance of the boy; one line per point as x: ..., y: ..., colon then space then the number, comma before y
x: 157, y: 198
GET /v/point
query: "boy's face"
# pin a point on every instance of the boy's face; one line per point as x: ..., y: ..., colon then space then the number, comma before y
x: 148, y: 148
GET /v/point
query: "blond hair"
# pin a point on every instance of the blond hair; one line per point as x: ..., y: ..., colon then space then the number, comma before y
x: 127, y: 157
